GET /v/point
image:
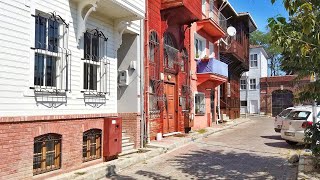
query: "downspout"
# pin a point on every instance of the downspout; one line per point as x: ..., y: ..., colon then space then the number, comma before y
x: 146, y: 138
x: 219, y: 89
x: 142, y: 115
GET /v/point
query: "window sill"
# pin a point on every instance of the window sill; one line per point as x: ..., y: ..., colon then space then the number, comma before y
x: 202, y: 114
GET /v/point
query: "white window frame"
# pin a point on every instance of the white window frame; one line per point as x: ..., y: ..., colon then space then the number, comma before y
x: 204, y: 7
x: 202, y: 111
x: 199, y: 40
x: 243, y: 86
x: 211, y: 50
x: 253, y: 84
x: 254, y: 60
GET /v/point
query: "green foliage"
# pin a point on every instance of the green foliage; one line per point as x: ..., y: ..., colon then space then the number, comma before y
x: 299, y: 39
x: 312, y: 135
x: 264, y: 39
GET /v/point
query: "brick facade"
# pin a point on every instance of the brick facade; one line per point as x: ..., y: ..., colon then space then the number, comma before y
x: 17, y: 138
x: 271, y: 84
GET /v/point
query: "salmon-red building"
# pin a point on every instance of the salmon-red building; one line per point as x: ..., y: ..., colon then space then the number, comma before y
x: 183, y: 70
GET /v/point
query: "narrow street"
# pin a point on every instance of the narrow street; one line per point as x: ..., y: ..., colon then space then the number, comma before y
x: 248, y: 151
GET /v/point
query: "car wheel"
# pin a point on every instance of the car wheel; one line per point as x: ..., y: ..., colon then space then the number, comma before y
x: 291, y: 142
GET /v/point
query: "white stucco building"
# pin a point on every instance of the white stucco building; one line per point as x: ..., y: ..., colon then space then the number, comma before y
x: 250, y: 81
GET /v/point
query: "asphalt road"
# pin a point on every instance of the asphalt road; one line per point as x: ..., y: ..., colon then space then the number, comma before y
x: 247, y: 151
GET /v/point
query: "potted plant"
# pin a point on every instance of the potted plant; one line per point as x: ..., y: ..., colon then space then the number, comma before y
x: 205, y: 59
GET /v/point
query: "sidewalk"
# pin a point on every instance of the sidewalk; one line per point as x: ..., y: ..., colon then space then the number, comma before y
x: 155, y: 148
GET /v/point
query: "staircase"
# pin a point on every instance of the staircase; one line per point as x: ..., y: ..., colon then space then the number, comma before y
x: 127, y: 146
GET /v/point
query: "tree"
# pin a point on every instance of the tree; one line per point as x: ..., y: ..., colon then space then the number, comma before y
x: 299, y: 39
x: 263, y: 39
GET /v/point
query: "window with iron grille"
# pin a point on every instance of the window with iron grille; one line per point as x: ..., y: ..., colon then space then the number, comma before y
x: 243, y: 84
x: 253, y: 60
x: 253, y: 84
x: 91, y: 148
x: 52, y: 57
x: 200, y: 104
x: 46, y: 153
x: 154, y: 55
x: 154, y: 96
x: 153, y: 47
x: 185, y: 60
x: 96, y: 66
x: 170, y: 51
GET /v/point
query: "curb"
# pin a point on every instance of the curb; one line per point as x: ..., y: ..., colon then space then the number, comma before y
x: 110, y: 168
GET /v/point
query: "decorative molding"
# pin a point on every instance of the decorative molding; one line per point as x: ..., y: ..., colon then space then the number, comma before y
x: 120, y: 27
x: 82, y: 20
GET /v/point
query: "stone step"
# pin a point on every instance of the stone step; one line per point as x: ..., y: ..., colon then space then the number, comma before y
x: 125, y: 139
x: 127, y: 152
x: 127, y: 146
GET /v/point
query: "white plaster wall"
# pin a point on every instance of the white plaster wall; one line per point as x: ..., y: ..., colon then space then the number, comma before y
x: 254, y: 73
x: 16, y: 60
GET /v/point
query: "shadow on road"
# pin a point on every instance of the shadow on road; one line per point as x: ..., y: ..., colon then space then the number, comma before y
x: 206, y: 164
x: 275, y: 137
x: 285, y: 145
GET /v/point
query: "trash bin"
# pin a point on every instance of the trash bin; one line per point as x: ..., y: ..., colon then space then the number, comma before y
x: 112, y: 138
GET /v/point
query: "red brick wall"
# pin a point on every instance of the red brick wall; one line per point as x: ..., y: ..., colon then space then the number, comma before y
x: 16, y: 145
x: 17, y: 138
x: 157, y: 20
x: 270, y: 84
x: 131, y: 125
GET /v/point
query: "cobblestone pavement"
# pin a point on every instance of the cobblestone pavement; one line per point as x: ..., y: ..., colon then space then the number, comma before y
x: 248, y: 151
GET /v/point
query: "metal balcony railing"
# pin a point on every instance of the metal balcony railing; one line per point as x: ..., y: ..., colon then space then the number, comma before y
x: 217, y: 16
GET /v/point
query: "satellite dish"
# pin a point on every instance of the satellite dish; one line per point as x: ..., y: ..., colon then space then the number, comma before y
x: 231, y: 31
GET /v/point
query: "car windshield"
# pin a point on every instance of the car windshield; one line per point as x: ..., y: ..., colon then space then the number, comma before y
x: 285, y: 113
x: 299, y: 115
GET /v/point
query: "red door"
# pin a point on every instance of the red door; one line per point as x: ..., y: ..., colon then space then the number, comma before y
x: 170, y: 117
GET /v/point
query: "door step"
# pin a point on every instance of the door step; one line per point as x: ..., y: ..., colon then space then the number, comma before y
x: 171, y: 134
x: 127, y: 152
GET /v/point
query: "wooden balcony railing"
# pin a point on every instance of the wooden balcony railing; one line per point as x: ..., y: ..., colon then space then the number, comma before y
x: 237, y: 49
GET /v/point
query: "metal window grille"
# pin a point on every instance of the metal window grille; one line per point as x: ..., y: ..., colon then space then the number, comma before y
x: 91, y: 148
x: 46, y: 153
x: 154, y: 55
x: 96, y: 67
x: 170, y: 52
x: 52, y: 58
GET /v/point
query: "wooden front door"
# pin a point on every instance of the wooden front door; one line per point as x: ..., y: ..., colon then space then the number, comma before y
x: 170, y: 117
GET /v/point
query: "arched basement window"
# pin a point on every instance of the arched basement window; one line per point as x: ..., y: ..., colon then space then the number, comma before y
x: 46, y: 153
x: 91, y: 145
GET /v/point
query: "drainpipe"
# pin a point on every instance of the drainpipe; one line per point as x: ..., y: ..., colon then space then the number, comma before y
x: 142, y: 115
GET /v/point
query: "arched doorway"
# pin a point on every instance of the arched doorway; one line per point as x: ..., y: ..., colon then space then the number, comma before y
x: 281, y: 99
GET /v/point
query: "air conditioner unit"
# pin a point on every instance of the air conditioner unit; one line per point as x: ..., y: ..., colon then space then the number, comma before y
x: 123, y: 78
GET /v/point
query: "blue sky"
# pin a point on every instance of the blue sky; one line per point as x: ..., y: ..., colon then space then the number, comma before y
x: 260, y: 10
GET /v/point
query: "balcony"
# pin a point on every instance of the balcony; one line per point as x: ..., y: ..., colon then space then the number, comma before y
x: 236, y: 49
x: 215, y: 24
x: 182, y: 11
x: 212, y: 70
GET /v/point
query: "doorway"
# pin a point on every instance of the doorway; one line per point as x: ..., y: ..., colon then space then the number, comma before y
x: 170, y: 111
x: 281, y: 99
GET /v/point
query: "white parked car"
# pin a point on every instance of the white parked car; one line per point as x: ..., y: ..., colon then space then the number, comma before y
x: 280, y: 117
x: 295, y: 123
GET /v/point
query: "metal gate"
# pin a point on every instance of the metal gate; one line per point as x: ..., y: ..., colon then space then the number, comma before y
x: 281, y: 99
